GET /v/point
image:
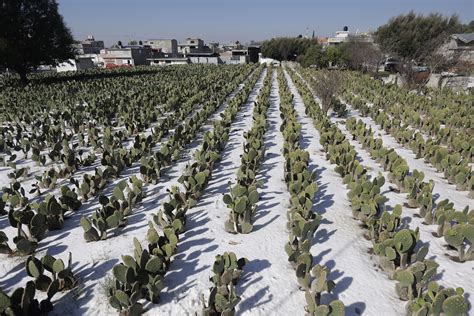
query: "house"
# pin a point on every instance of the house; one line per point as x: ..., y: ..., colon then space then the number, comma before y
x: 192, y: 45
x: 344, y: 36
x: 89, y: 46
x: 164, y: 61
x: 133, y: 55
x: 463, y: 41
x: 204, y: 58
x: 167, y: 46
x: 341, y: 37
x: 96, y: 59
x: 239, y: 54
x: 78, y: 63
x: 214, y: 47
x: 460, y: 46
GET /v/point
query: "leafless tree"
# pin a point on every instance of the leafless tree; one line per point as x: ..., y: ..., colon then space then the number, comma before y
x: 363, y: 56
x: 326, y: 85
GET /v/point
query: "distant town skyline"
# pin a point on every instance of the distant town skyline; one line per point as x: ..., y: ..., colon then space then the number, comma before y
x: 245, y: 20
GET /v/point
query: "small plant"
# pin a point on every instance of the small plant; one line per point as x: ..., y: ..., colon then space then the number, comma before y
x: 242, y: 201
x: 461, y: 237
x: 223, y: 299
x: 319, y: 285
x: 439, y: 301
x: 60, y: 273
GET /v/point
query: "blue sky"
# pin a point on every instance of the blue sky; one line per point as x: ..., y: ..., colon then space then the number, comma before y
x: 244, y: 20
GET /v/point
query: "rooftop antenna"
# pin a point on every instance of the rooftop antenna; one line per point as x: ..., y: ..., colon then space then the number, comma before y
x: 307, y: 33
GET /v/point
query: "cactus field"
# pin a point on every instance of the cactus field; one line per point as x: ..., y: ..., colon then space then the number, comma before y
x: 228, y: 190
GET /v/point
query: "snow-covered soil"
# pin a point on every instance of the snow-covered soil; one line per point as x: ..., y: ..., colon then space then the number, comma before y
x: 93, y: 262
x: 442, y: 189
x: 339, y: 241
x: 452, y: 273
x: 269, y: 284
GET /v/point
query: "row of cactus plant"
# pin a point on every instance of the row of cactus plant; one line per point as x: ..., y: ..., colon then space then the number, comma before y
x: 398, y: 248
x: 54, y: 119
x: 453, y: 161
x: 457, y: 229
x: 115, y: 210
x: 197, y: 174
x: 114, y: 156
x: 39, y: 217
x: 302, y: 221
x: 243, y: 196
x: 445, y: 126
x: 142, y: 276
x: 93, y: 184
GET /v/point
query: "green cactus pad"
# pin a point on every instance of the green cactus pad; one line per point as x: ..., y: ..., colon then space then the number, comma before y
x: 404, y: 240
x: 337, y: 308
x: 455, y: 305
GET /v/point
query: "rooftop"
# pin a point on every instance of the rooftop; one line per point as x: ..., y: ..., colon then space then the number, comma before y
x: 465, y: 38
x: 210, y: 54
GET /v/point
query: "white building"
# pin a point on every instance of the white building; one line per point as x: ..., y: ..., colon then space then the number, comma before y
x: 166, y: 46
x: 341, y: 37
x: 79, y: 63
x: 191, y: 45
x: 126, y: 56
x: 344, y: 36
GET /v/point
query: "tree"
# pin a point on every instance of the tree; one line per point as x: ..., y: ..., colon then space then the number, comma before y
x: 335, y: 55
x: 286, y: 48
x: 416, y: 37
x: 314, y: 56
x: 326, y: 85
x: 362, y: 56
x: 418, y: 40
x: 33, y: 33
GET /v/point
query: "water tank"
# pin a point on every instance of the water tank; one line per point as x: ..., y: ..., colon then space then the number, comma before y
x: 345, y: 29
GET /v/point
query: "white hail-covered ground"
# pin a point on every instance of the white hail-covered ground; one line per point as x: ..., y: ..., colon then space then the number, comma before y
x: 268, y: 285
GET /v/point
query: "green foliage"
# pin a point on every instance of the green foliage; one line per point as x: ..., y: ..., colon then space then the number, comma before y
x: 23, y: 301
x: 461, y: 237
x: 286, y: 48
x: 437, y: 300
x: 32, y: 33
x: 414, y: 36
x: 314, y: 56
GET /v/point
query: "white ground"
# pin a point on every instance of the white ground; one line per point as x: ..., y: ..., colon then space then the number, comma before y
x: 451, y: 273
x: 268, y: 286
